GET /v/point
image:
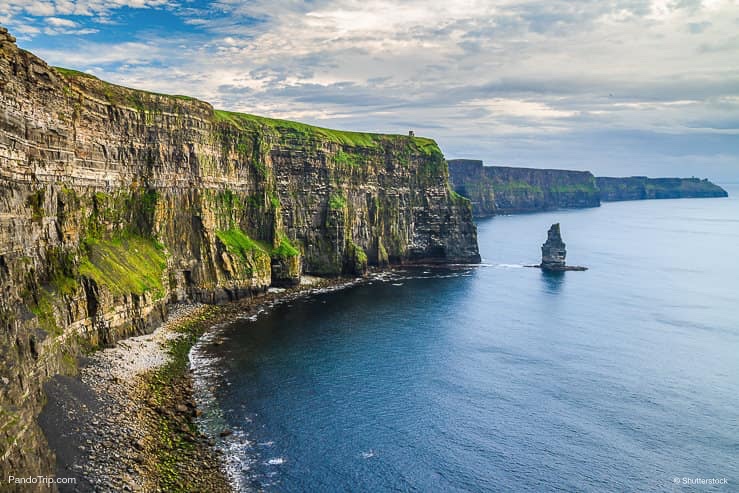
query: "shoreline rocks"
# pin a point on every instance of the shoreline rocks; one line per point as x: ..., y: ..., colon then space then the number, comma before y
x: 127, y: 421
x: 105, y: 425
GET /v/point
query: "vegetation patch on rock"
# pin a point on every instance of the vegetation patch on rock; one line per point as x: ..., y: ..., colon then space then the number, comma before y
x: 238, y: 243
x: 127, y: 264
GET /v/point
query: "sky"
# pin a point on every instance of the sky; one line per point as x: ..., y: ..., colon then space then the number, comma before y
x: 617, y: 87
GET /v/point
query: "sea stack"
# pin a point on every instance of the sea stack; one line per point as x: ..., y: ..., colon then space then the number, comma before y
x: 553, y: 252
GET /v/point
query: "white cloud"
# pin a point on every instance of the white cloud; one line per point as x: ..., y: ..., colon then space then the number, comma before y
x: 34, y: 7
x: 45, y: 8
x: 521, y: 108
x: 470, y: 73
x: 59, y: 22
x: 91, y: 54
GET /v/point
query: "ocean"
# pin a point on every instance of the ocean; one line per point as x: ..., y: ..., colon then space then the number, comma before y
x: 499, y: 377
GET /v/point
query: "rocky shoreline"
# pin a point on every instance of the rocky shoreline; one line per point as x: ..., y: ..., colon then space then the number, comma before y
x: 127, y: 421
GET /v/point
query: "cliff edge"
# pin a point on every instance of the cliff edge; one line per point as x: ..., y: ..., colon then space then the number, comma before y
x: 643, y: 188
x: 116, y: 202
x: 507, y: 190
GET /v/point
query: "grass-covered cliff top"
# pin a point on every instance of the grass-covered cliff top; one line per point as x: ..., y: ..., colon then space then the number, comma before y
x: 688, y: 187
x: 343, y: 137
x: 141, y: 99
x: 76, y: 74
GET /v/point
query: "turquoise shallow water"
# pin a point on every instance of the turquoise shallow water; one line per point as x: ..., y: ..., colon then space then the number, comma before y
x: 499, y: 377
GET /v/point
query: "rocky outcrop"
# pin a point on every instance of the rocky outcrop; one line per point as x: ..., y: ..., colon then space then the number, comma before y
x: 115, y: 202
x: 553, y: 253
x: 506, y: 190
x: 642, y: 188
x: 553, y: 250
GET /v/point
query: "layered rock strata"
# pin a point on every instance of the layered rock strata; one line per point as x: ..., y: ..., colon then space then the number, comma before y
x: 506, y: 190
x: 643, y: 188
x: 115, y: 202
x: 553, y: 251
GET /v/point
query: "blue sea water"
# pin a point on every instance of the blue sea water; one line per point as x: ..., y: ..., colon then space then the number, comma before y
x: 500, y: 377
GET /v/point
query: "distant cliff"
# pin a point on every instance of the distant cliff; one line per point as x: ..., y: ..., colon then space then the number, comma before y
x: 505, y: 190
x: 115, y: 202
x: 641, y: 188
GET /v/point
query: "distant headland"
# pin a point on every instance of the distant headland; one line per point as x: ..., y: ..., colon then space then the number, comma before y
x: 497, y: 190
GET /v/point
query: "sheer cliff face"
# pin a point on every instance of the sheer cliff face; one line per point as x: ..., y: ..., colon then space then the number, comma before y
x: 643, y: 188
x: 114, y: 202
x: 505, y: 190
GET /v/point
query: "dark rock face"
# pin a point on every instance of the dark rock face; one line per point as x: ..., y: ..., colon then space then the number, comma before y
x: 553, y: 251
x: 643, y: 188
x: 116, y: 202
x: 506, y: 190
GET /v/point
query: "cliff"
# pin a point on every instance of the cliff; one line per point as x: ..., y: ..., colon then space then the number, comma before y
x: 641, y: 188
x: 115, y: 202
x: 506, y: 190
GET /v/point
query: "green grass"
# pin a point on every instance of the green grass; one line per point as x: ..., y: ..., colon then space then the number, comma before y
x: 64, y: 284
x: 50, y: 297
x: 60, y: 282
x: 129, y: 264
x: 285, y: 249
x: 337, y: 201
x: 427, y: 146
x: 347, y: 159
x: 343, y: 137
x: 572, y: 188
x: 358, y: 256
x: 516, y: 186
x: 44, y: 311
x: 125, y: 264
x: 354, y: 139
x: 238, y: 243
x: 61, y: 265
x: 274, y: 200
x: 458, y: 199
x: 71, y: 73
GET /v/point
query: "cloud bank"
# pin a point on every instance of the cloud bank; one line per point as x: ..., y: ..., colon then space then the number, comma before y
x: 616, y: 86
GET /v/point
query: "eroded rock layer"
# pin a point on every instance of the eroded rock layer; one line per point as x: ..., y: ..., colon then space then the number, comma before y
x: 643, y: 188
x: 553, y: 251
x: 116, y: 202
x: 507, y: 190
